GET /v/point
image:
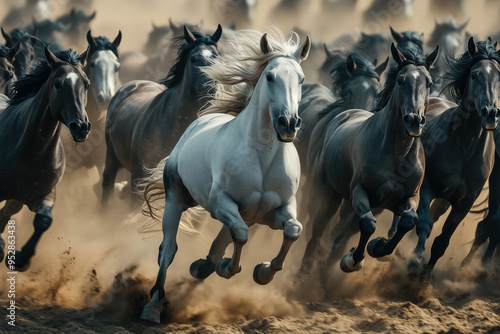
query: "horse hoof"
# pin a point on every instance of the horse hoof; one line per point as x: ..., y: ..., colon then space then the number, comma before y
x: 21, y: 263
x: 222, y: 268
x: 348, y: 265
x: 375, y: 247
x: 415, y: 267
x: 260, y: 271
x: 202, y: 268
x: 150, y: 314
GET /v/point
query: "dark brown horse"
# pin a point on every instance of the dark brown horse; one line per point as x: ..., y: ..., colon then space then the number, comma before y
x: 459, y: 146
x: 146, y: 119
x: 362, y: 157
x: 7, y: 71
x: 54, y: 92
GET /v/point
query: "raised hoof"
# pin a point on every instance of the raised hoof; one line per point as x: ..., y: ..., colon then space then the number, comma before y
x: 150, y: 314
x: 202, y: 268
x: 348, y: 265
x: 375, y: 247
x: 415, y: 268
x: 20, y: 262
x: 222, y: 268
x: 259, y: 273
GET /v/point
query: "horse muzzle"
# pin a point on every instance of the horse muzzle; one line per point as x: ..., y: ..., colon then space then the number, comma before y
x: 79, y: 131
x: 414, y: 123
x: 489, y: 117
x: 287, y: 127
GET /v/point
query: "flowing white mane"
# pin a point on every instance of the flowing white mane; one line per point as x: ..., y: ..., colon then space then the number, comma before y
x: 235, y: 75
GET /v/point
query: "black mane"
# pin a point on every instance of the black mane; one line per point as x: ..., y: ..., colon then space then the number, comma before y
x: 411, y: 37
x: 102, y: 43
x: 340, y: 76
x: 459, y: 68
x: 412, y: 57
x: 4, y: 51
x: 177, y: 71
x: 29, y: 86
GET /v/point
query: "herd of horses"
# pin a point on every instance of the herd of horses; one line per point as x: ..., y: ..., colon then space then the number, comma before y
x: 234, y: 128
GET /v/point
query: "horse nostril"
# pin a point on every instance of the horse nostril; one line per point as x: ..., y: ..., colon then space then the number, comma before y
x: 282, y: 122
x: 299, y: 123
x: 73, y: 127
x: 422, y: 120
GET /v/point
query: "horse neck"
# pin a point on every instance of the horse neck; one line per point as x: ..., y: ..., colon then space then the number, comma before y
x: 39, y: 123
x: 391, y: 125
x: 468, y: 125
x: 190, y: 101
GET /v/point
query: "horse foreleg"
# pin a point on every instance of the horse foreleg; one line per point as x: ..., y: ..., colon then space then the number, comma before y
x: 10, y: 208
x: 225, y: 209
x: 394, y: 226
x: 352, y: 261
x: 285, y: 219
x: 111, y: 167
x: 41, y: 223
x: 379, y: 247
x: 170, y: 223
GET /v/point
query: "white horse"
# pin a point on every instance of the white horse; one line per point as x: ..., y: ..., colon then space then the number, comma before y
x: 242, y: 169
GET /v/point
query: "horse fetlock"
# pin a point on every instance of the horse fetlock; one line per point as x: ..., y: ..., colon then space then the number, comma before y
x: 367, y: 223
x: 348, y: 264
x: 42, y: 222
x: 225, y: 268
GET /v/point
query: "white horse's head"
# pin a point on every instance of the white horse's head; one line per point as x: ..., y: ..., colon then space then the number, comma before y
x: 103, y: 68
x: 282, y: 80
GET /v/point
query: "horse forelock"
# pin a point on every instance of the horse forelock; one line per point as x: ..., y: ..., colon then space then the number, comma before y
x: 235, y: 75
x: 102, y: 43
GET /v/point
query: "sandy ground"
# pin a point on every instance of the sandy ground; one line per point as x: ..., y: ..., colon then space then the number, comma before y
x: 93, y: 271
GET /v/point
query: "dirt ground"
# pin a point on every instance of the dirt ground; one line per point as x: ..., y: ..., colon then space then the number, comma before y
x: 93, y: 271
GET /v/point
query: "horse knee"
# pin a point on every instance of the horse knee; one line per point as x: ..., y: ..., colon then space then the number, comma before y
x: 42, y: 221
x: 424, y: 228
x: 292, y: 230
x: 240, y: 234
x: 367, y: 223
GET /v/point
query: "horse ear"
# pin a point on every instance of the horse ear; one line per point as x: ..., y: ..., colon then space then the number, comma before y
x: 90, y: 39
x: 265, y: 47
x: 463, y: 25
x: 396, y: 54
x: 495, y: 44
x: 232, y: 26
x: 91, y: 16
x: 13, y: 51
x: 303, y: 50
x: 217, y: 34
x: 328, y: 51
x: 154, y: 26
x: 118, y: 39
x: 471, y: 47
x: 8, y: 38
x: 396, y: 35
x: 83, y: 57
x: 51, y: 58
x: 432, y: 57
x: 381, y: 68
x: 188, y: 35
x: 350, y: 65
x: 173, y: 26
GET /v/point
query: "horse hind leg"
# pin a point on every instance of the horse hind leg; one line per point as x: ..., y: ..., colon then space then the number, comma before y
x: 493, y: 229
x: 10, y: 208
x: 285, y: 218
x: 177, y: 201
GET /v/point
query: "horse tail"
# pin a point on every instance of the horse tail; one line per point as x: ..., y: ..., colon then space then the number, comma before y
x: 153, y: 190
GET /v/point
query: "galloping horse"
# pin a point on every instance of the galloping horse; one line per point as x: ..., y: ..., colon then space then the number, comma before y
x: 459, y: 146
x: 7, y: 71
x: 358, y: 157
x: 54, y: 92
x: 26, y: 57
x: 242, y: 169
x: 145, y: 119
x: 102, y: 69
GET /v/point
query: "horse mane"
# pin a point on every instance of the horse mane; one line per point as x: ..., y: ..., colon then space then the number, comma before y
x: 29, y: 86
x: 459, y: 68
x: 19, y: 35
x: 234, y: 76
x: 4, y: 52
x: 176, y: 72
x: 412, y: 57
x: 412, y: 37
x: 340, y: 76
x: 102, y: 43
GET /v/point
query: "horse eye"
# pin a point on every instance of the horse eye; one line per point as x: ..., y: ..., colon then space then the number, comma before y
x: 302, y: 81
x: 269, y: 77
x: 92, y: 64
x: 429, y: 84
x: 57, y: 84
x: 400, y: 81
x: 473, y: 76
x: 117, y: 68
